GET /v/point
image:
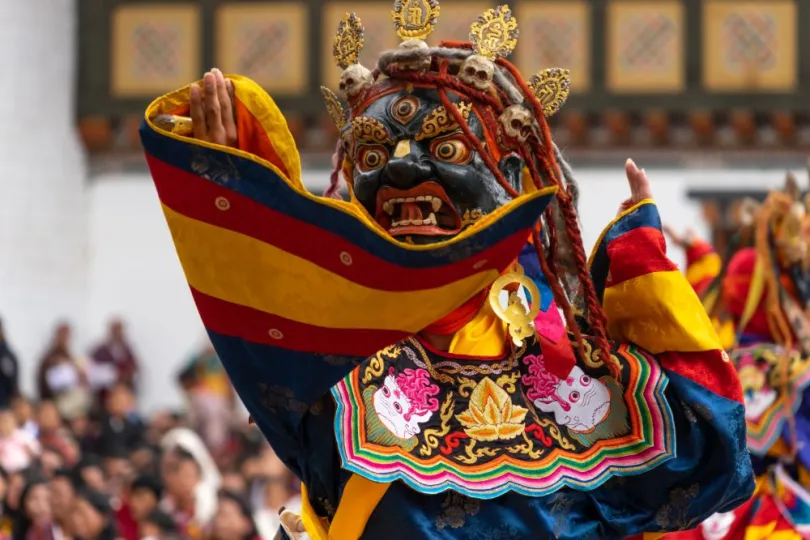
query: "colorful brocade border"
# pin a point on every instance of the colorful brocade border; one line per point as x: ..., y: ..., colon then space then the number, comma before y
x: 763, y: 433
x: 650, y: 443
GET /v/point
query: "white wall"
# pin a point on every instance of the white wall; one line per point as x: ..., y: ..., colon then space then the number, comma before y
x: 134, y: 273
x: 133, y: 270
x: 43, y: 255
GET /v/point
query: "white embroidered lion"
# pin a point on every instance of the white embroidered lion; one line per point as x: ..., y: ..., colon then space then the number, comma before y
x: 578, y: 402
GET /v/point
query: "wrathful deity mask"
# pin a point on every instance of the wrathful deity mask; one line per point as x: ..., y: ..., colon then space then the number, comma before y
x: 436, y: 138
x: 416, y: 172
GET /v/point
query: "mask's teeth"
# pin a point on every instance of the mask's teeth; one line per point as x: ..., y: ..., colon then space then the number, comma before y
x: 436, y: 203
x: 388, y: 207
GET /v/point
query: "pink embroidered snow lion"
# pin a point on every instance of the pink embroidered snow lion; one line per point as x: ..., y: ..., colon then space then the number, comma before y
x: 405, y: 401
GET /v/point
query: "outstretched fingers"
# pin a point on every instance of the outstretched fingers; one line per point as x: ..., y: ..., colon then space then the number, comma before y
x: 639, y: 186
x: 198, y: 113
x: 637, y: 179
x: 231, y: 91
x: 213, y: 111
x: 225, y: 96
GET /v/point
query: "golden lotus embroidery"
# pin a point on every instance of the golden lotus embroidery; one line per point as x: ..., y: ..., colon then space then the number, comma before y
x: 491, y: 415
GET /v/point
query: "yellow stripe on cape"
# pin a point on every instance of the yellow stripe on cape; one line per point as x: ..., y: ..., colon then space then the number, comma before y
x: 235, y: 268
x: 659, y: 311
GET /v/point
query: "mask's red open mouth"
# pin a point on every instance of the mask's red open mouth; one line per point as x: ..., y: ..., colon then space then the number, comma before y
x: 423, y: 210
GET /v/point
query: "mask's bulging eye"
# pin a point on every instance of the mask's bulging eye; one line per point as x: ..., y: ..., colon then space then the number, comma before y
x: 371, y: 157
x: 403, y: 110
x: 451, y: 150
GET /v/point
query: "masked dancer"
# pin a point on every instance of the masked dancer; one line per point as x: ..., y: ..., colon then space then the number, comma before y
x: 403, y: 350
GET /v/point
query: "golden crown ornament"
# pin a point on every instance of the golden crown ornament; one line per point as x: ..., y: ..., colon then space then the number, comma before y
x: 495, y: 33
x: 415, y: 19
x: 494, y: 36
x: 334, y: 107
x: 551, y: 88
x: 349, y: 41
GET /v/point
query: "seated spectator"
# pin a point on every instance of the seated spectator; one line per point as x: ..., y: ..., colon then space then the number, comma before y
x: 62, y: 379
x: 179, y: 445
x: 15, y: 485
x: 126, y: 523
x: 233, y: 481
x: 18, y: 449
x: 93, y: 516
x: 181, y: 476
x: 34, y: 520
x: 53, y: 434
x: 114, y: 362
x: 145, y: 494
x: 159, y: 525
x: 211, y: 398
x: 276, y: 496
x: 234, y: 519
x: 144, y: 459
x: 63, y: 498
x: 120, y: 427
x: 89, y: 473
x: 85, y: 433
x: 49, y: 461
x: 24, y: 413
x: 162, y: 423
x: 143, y: 497
x: 117, y: 470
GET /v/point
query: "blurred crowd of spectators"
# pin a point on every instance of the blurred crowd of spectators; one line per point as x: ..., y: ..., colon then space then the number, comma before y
x: 78, y: 461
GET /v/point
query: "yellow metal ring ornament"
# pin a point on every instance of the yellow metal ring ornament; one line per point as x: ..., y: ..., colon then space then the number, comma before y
x: 519, y: 319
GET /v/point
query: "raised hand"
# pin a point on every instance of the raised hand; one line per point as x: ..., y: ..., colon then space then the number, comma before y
x: 639, y: 186
x: 213, y: 112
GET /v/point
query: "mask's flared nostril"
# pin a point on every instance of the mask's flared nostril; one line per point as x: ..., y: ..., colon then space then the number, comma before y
x: 406, y: 172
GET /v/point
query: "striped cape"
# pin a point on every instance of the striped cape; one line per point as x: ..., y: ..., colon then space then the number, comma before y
x: 283, y: 276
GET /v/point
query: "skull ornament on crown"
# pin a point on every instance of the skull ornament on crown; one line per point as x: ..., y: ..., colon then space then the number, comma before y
x: 435, y: 138
x: 477, y: 71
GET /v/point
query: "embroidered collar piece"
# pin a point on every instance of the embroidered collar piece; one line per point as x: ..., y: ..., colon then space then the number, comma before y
x: 487, y: 427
